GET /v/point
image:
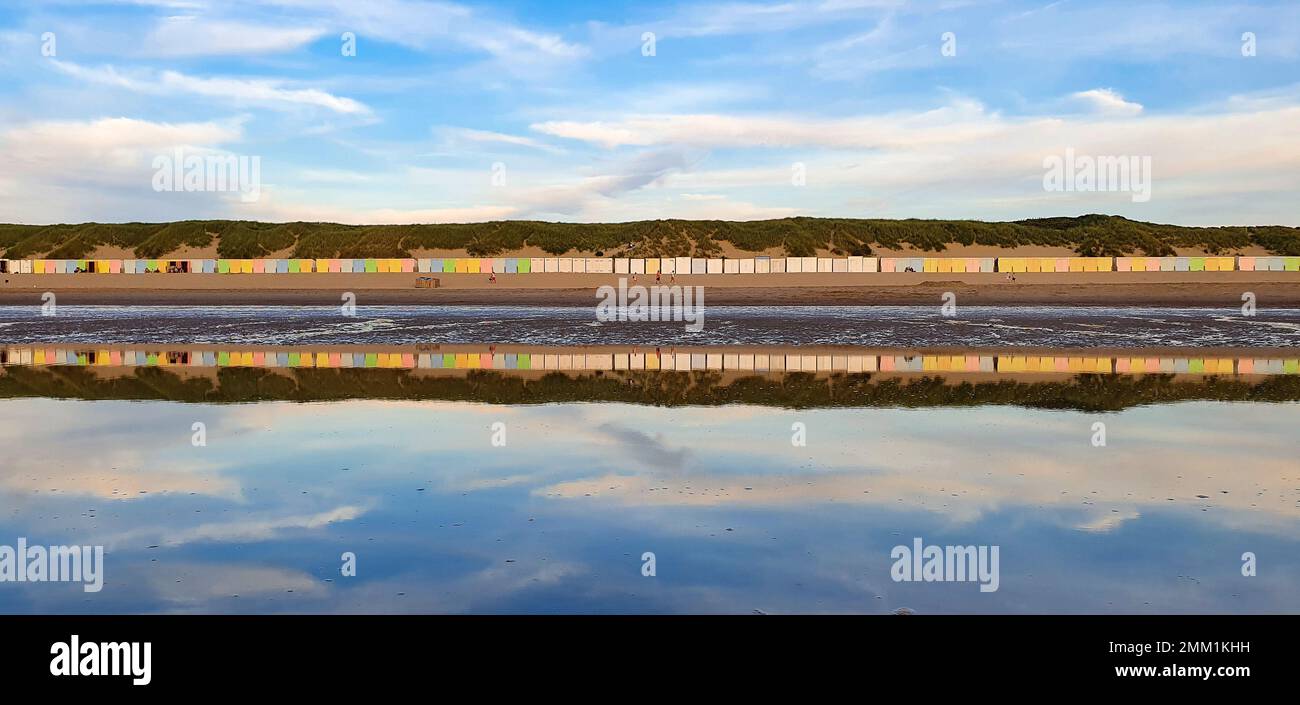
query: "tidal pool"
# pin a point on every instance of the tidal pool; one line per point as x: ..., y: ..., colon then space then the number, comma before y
x: 472, y: 507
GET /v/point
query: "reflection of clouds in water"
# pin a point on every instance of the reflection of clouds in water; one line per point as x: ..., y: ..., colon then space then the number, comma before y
x: 640, y: 448
x: 474, y: 591
x: 186, y: 586
x: 106, y: 450
x: 434, y: 510
x: 965, y: 463
x: 248, y: 529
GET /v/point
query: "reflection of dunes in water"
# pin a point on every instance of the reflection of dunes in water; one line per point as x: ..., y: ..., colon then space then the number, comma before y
x: 597, y: 377
x: 684, y: 359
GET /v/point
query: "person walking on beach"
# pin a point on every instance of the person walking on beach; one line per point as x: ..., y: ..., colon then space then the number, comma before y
x: 492, y: 278
x: 659, y: 277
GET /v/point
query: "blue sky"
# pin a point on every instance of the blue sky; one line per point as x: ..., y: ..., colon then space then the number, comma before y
x: 578, y: 121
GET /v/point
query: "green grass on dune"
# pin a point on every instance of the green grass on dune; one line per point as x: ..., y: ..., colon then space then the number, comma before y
x: 1089, y: 235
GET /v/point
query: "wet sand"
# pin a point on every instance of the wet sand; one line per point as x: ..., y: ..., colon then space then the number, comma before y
x: 1217, y: 289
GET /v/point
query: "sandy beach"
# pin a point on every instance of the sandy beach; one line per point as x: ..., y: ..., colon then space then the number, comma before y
x: 1280, y: 289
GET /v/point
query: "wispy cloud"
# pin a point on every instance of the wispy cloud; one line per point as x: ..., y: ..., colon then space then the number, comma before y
x: 242, y: 91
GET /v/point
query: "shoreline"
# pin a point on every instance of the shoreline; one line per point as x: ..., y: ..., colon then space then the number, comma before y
x: 1027, y: 291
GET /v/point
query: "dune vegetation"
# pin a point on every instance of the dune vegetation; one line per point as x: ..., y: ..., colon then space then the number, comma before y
x: 1089, y: 235
x: 796, y: 390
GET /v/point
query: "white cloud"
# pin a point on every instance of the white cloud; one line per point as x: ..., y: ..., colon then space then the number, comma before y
x: 69, y: 170
x: 272, y: 93
x: 463, y: 134
x: 194, y: 36
x: 1107, y: 102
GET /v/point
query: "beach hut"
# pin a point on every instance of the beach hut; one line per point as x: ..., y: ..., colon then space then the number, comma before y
x: 636, y: 265
x: 887, y: 264
x: 762, y: 265
x: 622, y: 266
x: 794, y: 265
x: 1291, y: 264
x: 295, y: 266
x: 600, y: 265
x: 371, y: 265
x: 565, y: 265
x: 1246, y: 264
x: 713, y: 265
x: 698, y: 266
x: 408, y: 266
x: 745, y: 266
x: 682, y: 265
x: 423, y: 265
x: 668, y: 265
x: 1167, y: 264
x: 839, y: 264
x: 528, y: 265
x: 511, y: 265
x: 223, y: 266
x: 730, y: 266
x: 1197, y: 264
x: 579, y: 265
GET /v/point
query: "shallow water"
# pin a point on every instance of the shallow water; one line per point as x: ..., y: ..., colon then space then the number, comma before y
x: 894, y: 326
x: 738, y: 518
x: 593, y: 467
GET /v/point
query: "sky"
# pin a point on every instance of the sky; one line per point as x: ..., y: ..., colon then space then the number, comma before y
x: 404, y: 111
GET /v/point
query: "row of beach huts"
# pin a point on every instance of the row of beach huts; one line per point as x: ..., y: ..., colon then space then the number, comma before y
x: 793, y: 361
x: 654, y: 265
